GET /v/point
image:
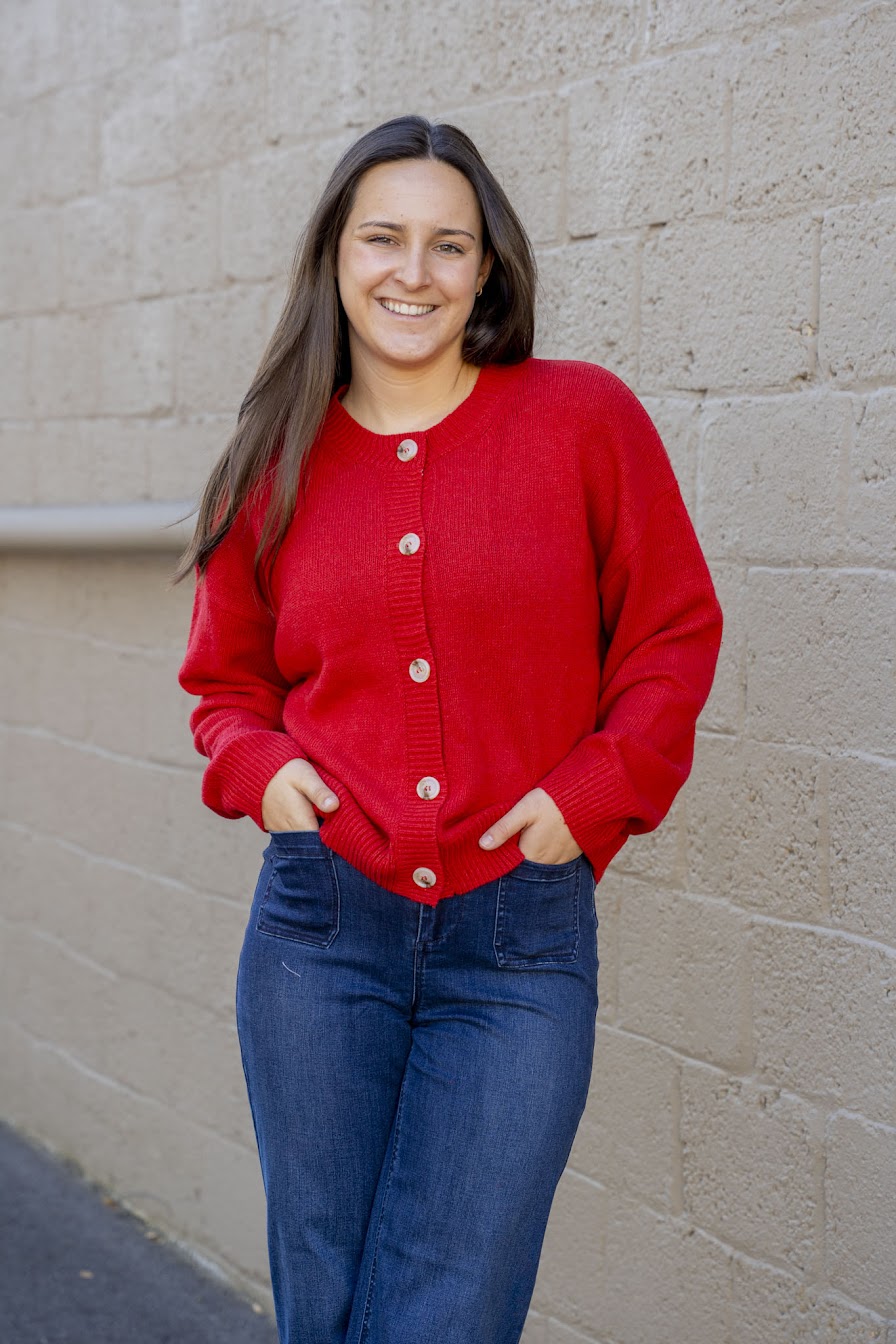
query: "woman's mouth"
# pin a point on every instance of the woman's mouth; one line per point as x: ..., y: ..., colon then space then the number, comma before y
x: 407, y: 309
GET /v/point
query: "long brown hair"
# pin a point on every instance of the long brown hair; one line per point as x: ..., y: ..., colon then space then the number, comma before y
x: 307, y: 356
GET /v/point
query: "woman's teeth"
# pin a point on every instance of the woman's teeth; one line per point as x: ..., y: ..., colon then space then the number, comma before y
x: 408, y: 309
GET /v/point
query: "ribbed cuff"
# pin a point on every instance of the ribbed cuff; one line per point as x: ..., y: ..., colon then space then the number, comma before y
x: 235, y: 783
x: 585, y: 794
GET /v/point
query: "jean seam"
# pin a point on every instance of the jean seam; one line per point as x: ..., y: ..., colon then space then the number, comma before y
x: 365, y: 1319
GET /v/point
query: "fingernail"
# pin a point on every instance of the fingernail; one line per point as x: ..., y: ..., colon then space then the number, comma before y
x: 487, y: 841
x: 329, y: 800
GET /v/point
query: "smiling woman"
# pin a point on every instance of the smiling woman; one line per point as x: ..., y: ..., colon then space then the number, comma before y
x: 408, y: 286
x: 451, y: 634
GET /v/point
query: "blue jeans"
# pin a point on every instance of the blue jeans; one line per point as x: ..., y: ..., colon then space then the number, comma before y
x: 416, y: 1076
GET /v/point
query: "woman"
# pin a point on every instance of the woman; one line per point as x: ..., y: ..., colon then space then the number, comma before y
x: 451, y: 635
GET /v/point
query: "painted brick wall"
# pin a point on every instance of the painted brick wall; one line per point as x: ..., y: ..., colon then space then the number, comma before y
x: 712, y: 193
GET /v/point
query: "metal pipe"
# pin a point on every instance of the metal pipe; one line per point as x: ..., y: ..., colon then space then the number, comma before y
x: 142, y: 525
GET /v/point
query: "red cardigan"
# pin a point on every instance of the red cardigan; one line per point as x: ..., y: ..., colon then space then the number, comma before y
x: 514, y: 597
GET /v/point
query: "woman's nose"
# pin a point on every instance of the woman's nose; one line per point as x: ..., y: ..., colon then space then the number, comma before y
x: 413, y: 268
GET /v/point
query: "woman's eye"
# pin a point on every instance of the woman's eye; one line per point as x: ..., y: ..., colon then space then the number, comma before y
x: 453, y: 246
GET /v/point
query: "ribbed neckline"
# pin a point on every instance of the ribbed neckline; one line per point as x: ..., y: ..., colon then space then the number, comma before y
x: 342, y: 432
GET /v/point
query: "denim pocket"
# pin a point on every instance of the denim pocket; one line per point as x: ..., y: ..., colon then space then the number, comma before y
x: 537, y: 913
x: 301, y: 900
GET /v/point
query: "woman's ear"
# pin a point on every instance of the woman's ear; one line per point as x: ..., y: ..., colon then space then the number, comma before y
x: 485, y: 268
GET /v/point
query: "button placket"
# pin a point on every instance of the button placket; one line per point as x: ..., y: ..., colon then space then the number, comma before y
x: 422, y: 716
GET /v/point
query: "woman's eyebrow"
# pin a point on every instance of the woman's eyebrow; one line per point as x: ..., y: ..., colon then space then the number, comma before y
x: 399, y: 228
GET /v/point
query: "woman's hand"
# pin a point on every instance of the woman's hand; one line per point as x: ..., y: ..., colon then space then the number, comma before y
x: 542, y: 828
x: 291, y: 796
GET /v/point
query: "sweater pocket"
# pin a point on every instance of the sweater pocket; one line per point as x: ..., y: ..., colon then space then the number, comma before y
x: 537, y: 915
x: 301, y: 900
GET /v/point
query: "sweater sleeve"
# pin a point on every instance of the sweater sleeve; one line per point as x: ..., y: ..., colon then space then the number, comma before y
x: 230, y: 665
x: 661, y: 632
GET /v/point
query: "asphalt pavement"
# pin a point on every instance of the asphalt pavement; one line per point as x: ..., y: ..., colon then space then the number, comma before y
x: 77, y: 1270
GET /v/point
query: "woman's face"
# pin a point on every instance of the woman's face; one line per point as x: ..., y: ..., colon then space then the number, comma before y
x: 413, y: 237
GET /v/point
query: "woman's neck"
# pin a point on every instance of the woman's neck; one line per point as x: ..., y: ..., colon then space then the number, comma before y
x: 388, y: 404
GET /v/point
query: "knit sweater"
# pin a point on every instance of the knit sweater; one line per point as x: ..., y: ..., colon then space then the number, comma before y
x: 514, y: 597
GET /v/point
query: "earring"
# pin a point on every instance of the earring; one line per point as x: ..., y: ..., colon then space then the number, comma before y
x: 479, y: 291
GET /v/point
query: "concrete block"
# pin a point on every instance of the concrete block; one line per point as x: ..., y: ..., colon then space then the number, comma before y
x: 857, y: 317
x: 657, y: 854
x: 585, y: 306
x: 30, y: 56
x: 754, y: 827
x: 128, y: 1030
x: 219, y: 339
x: 139, y: 132
x: 680, y: 23
x: 205, y: 20
x: 752, y: 1158
x: 442, y: 63
x: 112, y: 452
x: 164, y: 828
x: 99, y: 38
x: 555, y: 1332
x: 860, y: 1185
x: 813, y: 110
x: 321, y: 47
x: 18, y: 338
x: 58, y: 128
x: 134, y: 705
x: 30, y: 260
x: 863, y: 841
x: 570, y: 1282
x: 647, y: 143
x: 724, y: 710
x: 526, y: 166
x: 540, y: 45
x: 628, y: 1136
x: 263, y: 206
x: 137, y: 359
x: 17, y: 455
x: 181, y: 452
x: 708, y: 324
x: 64, y: 467
x: 137, y: 925
x: 823, y: 1017
x: 47, y: 685
x: 770, y: 478
x: 667, y: 1282
x: 772, y: 1306
x: 221, y: 99
x: 96, y: 250
x: 128, y: 603
x: 65, y: 364
x: 181, y: 1177
x: 871, y: 502
x: 818, y: 659
x: 534, y: 1329
x: 683, y: 976
x: 175, y: 235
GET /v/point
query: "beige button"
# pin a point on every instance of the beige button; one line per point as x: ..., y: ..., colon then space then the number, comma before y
x: 419, y: 669
x: 424, y: 877
x: 428, y: 787
x: 406, y: 450
x: 409, y: 543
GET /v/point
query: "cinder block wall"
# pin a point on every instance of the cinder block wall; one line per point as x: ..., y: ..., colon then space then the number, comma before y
x: 712, y: 193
